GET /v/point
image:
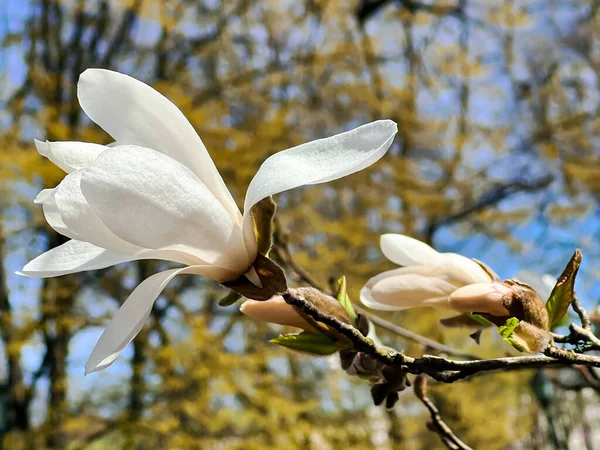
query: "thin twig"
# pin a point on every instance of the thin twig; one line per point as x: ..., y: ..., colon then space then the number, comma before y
x: 582, y: 313
x: 437, y: 424
x: 360, y: 342
x: 411, y: 335
x: 439, y: 368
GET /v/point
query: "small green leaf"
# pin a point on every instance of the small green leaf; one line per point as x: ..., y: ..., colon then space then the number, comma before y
x: 507, y: 330
x: 480, y: 319
x: 563, y: 292
x: 344, y: 299
x: 262, y: 218
x: 314, y: 344
x: 230, y: 299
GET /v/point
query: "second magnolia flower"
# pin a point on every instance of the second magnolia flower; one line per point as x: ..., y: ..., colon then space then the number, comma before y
x: 429, y: 278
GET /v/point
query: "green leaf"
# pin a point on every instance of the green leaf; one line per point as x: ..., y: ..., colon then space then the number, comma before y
x: 480, y: 319
x: 563, y: 292
x: 344, y: 299
x: 230, y: 299
x: 507, y: 330
x: 271, y: 276
x: 311, y: 343
x: 262, y: 215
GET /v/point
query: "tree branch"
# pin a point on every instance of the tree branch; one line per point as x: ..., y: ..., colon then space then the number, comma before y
x: 437, y: 424
x: 439, y: 368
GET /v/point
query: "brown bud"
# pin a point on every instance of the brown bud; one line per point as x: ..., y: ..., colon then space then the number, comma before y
x: 525, y: 304
x: 326, y: 304
x: 531, y: 338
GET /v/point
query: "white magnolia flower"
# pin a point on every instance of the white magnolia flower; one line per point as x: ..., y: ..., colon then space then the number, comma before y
x: 156, y: 194
x: 428, y: 277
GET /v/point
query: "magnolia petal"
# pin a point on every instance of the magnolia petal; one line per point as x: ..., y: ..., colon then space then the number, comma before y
x: 130, y: 318
x: 275, y: 310
x: 366, y: 296
x: 71, y: 257
x: 317, y: 162
x: 69, y: 156
x: 52, y: 213
x: 161, y: 204
x: 480, y: 298
x: 406, y: 251
x: 134, y: 113
x: 82, y: 221
x: 43, y: 196
x: 464, y: 269
x: 397, y: 290
x: 85, y: 220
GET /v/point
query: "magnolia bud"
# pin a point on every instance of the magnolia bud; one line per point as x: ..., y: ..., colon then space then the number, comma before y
x: 275, y: 310
x: 481, y: 298
x: 326, y: 304
x: 526, y: 305
x: 508, y: 299
x: 531, y: 338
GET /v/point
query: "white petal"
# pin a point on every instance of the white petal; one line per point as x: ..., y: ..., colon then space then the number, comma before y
x: 52, y: 213
x: 318, y: 162
x: 366, y: 298
x: 464, y: 269
x: 321, y: 160
x: 44, y: 195
x: 130, y: 318
x: 69, y: 156
x: 134, y: 113
x: 150, y: 200
x: 400, y: 289
x: 80, y: 220
x: 71, y: 257
x: 406, y: 251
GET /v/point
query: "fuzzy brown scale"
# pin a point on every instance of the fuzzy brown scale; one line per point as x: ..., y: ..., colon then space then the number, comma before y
x: 525, y: 304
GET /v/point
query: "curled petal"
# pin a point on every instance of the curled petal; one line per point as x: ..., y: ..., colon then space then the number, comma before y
x: 481, y: 298
x: 317, y: 162
x: 275, y: 310
x: 43, y: 196
x: 130, y: 318
x: 463, y: 269
x: 52, y: 213
x: 69, y: 156
x: 134, y: 113
x: 71, y: 257
x: 406, y: 251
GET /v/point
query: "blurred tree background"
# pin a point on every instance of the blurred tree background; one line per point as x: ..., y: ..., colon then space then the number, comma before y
x: 497, y: 158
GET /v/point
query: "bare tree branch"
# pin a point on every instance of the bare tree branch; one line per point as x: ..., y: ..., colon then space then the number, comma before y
x: 437, y: 424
